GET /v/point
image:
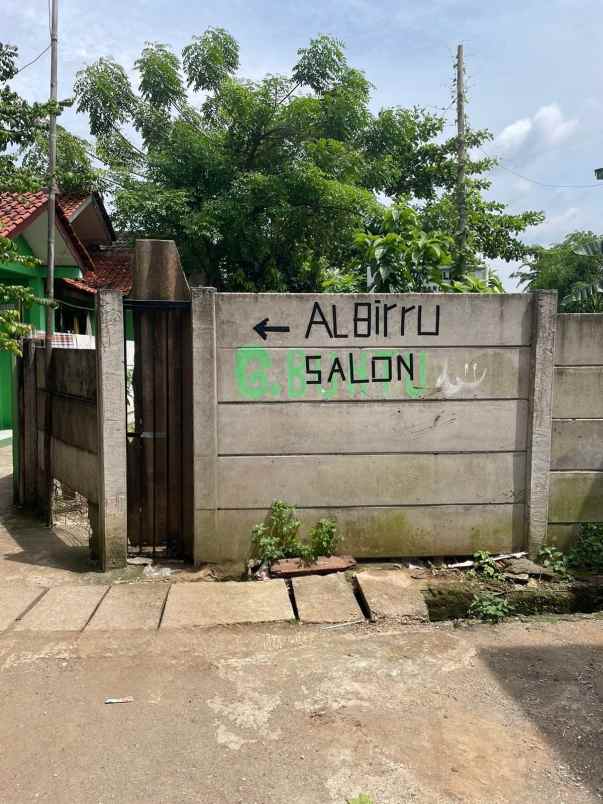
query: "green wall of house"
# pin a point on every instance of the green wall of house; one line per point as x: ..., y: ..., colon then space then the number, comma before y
x: 12, y: 273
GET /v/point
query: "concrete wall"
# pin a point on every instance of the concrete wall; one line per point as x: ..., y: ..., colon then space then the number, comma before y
x: 576, y: 485
x: 74, y: 419
x: 72, y: 428
x: 408, y: 418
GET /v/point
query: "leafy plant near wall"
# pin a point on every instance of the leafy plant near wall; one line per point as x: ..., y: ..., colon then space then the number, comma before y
x: 13, y: 299
x: 278, y: 537
x: 490, y: 607
x: 587, y: 553
x: 486, y: 567
x: 553, y: 558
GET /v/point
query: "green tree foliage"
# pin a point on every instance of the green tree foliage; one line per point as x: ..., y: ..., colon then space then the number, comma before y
x: 394, y: 255
x: 264, y: 184
x: 23, y: 137
x: 473, y: 284
x: 13, y: 300
x: 574, y: 268
x: 24, y: 141
x: 491, y: 231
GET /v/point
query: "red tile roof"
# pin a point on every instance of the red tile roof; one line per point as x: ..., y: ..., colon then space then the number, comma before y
x: 112, y: 271
x: 71, y: 203
x: 16, y: 209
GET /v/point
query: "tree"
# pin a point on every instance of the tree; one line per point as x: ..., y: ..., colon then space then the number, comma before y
x: 21, y: 124
x: 394, y: 255
x: 574, y: 268
x: 473, y: 284
x: 263, y: 184
x: 491, y: 231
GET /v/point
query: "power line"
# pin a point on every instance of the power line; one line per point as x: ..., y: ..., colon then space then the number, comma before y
x: 33, y: 61
x: 541, y: 183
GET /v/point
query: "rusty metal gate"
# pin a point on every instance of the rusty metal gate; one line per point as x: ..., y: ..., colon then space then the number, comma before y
x: 159, y: 449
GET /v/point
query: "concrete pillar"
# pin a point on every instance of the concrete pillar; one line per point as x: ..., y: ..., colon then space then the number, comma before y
x: 540, y: 422
x: 111, y: 408
x: 205, y: 434
x: 29, y: 427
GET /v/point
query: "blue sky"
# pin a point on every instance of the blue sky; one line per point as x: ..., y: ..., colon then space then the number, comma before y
x: 535, y: 72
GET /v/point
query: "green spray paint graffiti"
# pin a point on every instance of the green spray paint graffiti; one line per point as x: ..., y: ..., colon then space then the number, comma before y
x: 335, y: 374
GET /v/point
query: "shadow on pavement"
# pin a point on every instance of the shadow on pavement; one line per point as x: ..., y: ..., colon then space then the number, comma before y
x: 36, y: 544
x: 561, y: 690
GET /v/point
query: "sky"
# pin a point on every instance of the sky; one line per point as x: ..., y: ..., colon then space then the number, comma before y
x: 534, y: 73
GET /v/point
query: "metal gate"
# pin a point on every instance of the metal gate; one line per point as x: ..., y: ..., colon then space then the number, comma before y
x: 159, y: 422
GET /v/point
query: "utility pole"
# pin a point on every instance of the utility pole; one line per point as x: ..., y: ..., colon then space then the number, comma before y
x: 461, y: 194
x: 52, y: 184
x: 50, y: 254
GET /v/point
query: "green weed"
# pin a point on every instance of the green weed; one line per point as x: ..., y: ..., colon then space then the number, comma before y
x: 490, y: 607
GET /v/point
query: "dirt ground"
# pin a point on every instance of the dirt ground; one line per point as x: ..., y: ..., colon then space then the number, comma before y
x: 290, y: 713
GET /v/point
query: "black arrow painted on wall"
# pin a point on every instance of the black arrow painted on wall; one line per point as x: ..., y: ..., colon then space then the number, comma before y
x: 262, y: 328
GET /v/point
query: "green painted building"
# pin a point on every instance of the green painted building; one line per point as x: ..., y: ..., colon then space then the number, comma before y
x: 85, y: 261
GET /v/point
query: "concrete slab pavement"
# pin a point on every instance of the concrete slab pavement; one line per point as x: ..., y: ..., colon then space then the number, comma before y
x: 130, y: 606
x: 393, y: 595
x: 64, y: 608
x: 14, y: 600
x: 228, y: 603
x: 325, y: 599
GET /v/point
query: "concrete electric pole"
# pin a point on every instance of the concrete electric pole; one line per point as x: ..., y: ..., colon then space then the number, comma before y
x: 52, y: 184
x: 461, y: 198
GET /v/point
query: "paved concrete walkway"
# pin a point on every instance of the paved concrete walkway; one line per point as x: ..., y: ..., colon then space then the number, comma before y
x: 47, y: 584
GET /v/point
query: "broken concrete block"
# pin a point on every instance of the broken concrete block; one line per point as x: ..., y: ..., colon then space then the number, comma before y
x: 392, y: 596
x: 325, y: 599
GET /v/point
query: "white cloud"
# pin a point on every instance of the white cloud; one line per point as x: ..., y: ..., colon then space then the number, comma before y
x: 546, y: 129
x: 556, y: 227
x: 549, y: 122
x: 514, y: 135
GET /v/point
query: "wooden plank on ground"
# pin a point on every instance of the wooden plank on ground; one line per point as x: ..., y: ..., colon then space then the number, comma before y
x: 228, y: 603
x: 392, y: 595
x: 396, y: 427
x: 345, y: 480
x: 325, y: 599
x: 324, y: 565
